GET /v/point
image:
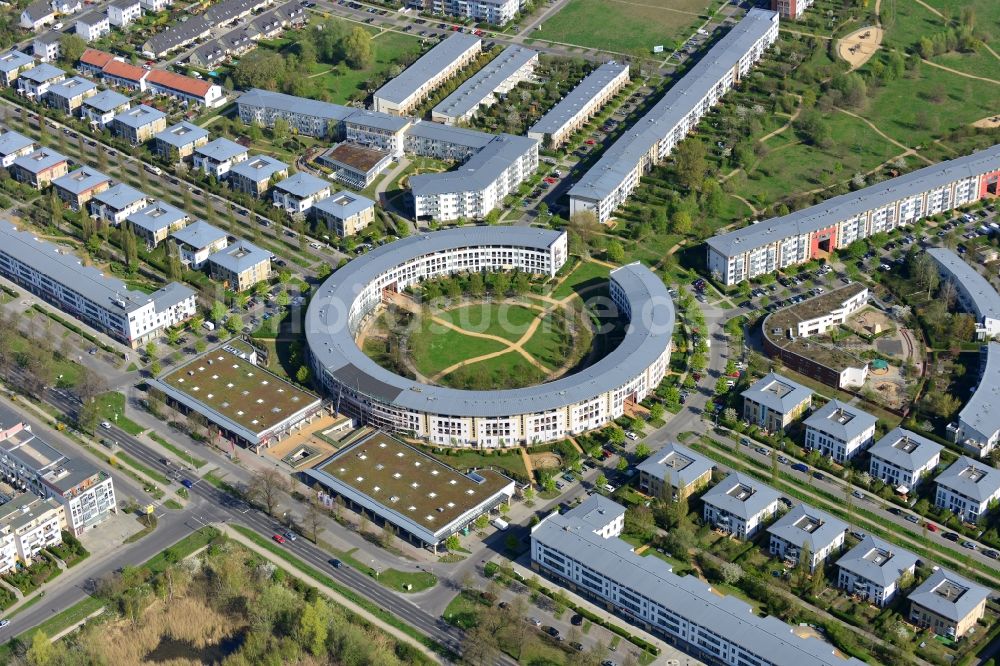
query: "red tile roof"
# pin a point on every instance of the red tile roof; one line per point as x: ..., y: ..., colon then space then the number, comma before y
x: 123, y: 70
x: 96, y: 58
x: 178, y: 82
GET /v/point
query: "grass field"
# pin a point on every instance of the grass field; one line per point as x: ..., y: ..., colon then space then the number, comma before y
x: 506, y: 371
x: 111, y: 407
x: 505, y: 320
x: 584, y: 275
x: 464, y: 459
x: 434, y: 348
x: 625, y: 27
x: 545, y: 344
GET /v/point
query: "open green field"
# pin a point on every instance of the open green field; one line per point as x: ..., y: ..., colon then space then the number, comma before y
x: 625, y: 27
x: 507, y: 371
x: 547, y: 344
x: 586, y: 274
x: 434, y: 348
x: 504, y: 320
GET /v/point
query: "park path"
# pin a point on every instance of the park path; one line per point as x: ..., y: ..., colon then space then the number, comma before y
x: 526, y: 459
x: 922, y: 4
x: 874, y: 128
x: 960, y: 73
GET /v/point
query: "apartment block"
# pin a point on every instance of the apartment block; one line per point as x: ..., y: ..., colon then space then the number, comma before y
x: 948, y: 604
x: 774, y: 402
x: 101, y: 109
x: 12, y: 146
x: 902, y: 459
x: 138, y: 124
x: 973, y: 292
x: 197, y: 241
x: 676, y: 467
x: 967, y: 488
x: 345, y: 213
x: 28, y: 524
x: 791, y: 9
x: 514, y: 65
x: 873, y: 569
x: 839, y: 431
x: 80, y: 186
x: 12, y: 63
x: 240, y: 266
x: 39, y: 168
x: 179, y: 141
x: 254, y: 176
x: 217, y: 157
x: 68, y: 95
x: 403, y: 94
x: 739, y: 505
x: 806, y: 526
x: 297, y: 193
x: 115, y: 204
x: 154, y: 223
x: 581, y: 104
x: 978, y: 425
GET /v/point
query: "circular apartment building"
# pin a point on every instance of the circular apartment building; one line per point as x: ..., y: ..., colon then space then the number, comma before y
x: 570, y: 404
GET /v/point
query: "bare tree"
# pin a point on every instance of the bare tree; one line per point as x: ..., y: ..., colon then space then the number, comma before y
x: 267, y: 487
x: 313, y: 519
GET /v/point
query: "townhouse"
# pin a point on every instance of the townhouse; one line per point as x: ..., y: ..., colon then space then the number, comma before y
x: 179, y: 141
x: 814, y: 233
x: 122, y: 13
x: 12, y: 146
x: 179, y: 35
x: 582, y: 550
x: 254, y: 175
x: 78, y: 187
x: 197, y: 241
x: 244, y: 38
x: 68, y: 95
x: 93, y: 25
x: 217, y: 157
x: 138, y: 124
x: 107, y: 304
x: 805, y: 526
x: 154, y: 223
x: 967, y: 488
x: 100, y: 109
x: 12, y: 63
x: 39, y: 168
x: 674, y: 467
x: 948, y: 604
x: 345, y: 213
x: 514, y: 65
x: 28, y: 524
x: 85, y: 495
x: 774, y: 402
x: 902, y: 459
x: 580, y: 105
x: 92, y: 61
x: 612, y: 179
x: 47, y: 46
x: 123, y: 75
x: 978, y: 425
x: 117, y: 203
x: 739, y: 505
x: 185, y: 88
x: 873, y: 570
x: 37, y: 15
x: 240, y: 266
x: 403, y: 94
x: 33, y: 83
x: 973, y: 292
x: 297, y: 193
x: 839, y: 431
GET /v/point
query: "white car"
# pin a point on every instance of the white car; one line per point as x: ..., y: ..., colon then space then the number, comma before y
x: 105, y: 425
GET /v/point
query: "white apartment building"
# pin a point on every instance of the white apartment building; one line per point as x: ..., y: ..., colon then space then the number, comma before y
x: 839, y: 431
x: 813, y: 233
x: 404, y: 93
x: 581, y: 550
x: 514, y: 65
x: 217, y: 157
x: 51, y: 272
x: 872, y: 570
x: 93, y: 25
x: 12, y: 146
x: 773, y: 402
x: 117, y: 203
x: 28, y: 524
x: 805, y: 525
x: 967, y: 487
x: 902, y: 459
x: 791, y: 9
x: 85, y: 494
x: 198, y: 241
x: 614, y: 177
x: 974, y: 292
x: 581, y: 104
x: 739, y: 505
x: 124, y: 12
x: 494, y: 12
x: 978, y: 426
x: 297, y: 193
x: 34, y: 83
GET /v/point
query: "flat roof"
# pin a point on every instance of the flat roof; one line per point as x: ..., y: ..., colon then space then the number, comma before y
x: 81, y: 180
x: 139, y: 116
x: 847, y: 206
x: 686, y: 596
x: 949, y: 595
x: 106, y: 100
x: 474, y: 90
x: 877, y: 561
x: 985, y: 299
x: 358, y: 157
x: 181, y: 134
x: 241, y: 393
x: 441, y: 133
x: 12, y: 142
x: 974, y: 479
x: 905, y: 449
x: 623, y: 156
x: 777, y: 393
x: 332, y: 344
x: 26, y: 508
x: 578, y: 98
x: 199, y: 235
x: 429, y: 65
x: 408, y: 484
x: 302, y: 185
x: 980, y: 412
x: 343, y: 204
x: 221, y: 149
x: 740, y: 495
x: 840, y: 420
x: 807, y: 524
x: 479, y: 172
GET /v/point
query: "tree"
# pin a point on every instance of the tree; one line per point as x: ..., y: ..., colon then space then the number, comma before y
x: 731, y: 572
x: 218, y: 312
x: 357, y: 48
x: 601, y: 480
x: 266, y: 487
x: 642, y: 450
x: 616, y: 435
x: 622, y: 464
x: 616, y: 253
x: 656, y: 412
x: 453, y: 543
x: 690, y: 162
x: 302, y: 375
x: 314, y: 621
x: 775, y: 470
x: 71, y: 47
x: 234, y: 323
x: 313, y: 519
x: 42, y: 651
x: 680, y: 222
x: 280, y: 129
x: 388, y: 534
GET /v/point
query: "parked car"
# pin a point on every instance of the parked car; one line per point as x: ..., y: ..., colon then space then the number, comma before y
x: 576, y: 620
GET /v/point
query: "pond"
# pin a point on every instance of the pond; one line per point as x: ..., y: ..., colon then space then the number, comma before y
x: 170, y: 648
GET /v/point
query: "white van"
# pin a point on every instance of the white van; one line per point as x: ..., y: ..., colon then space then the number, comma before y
x: 208, y: 326
x: 499, y: 523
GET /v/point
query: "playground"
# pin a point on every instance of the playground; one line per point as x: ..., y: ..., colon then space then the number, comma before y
x: 859, y: 46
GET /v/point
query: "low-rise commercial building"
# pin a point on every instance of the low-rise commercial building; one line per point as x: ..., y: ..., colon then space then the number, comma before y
x: 424, y: 499
x: 967, y: 488
x: 254, y: 176
x: 974, y: 292
x: 355, y: 166
x: 902, y: 459
x: 39, y: 168
x: 774, y: 402
x: 240, y: 266
x: 69, y: 94
x: 873, y: 569
x: 217, y: 157
x: 806, y: 526
x: 115, y: 204
x: 676, y: 467
x: 197, y: 241
x: 154, y: 223
x: 739, y: 505
x: 297, y: 193
x: 101, y: 109
x: 403, y: 94
x: 138, y: 124
x: 839, y: 431
x: 80, y: 186
x: 581, y: 104
x: 514, y: 65
x: 12, y: 146
x: 581, y: 550
x: 345, y: 213
x: 948, y: 604
x: 107, y: 304
x: 978, y: 426
x: 179, y: 141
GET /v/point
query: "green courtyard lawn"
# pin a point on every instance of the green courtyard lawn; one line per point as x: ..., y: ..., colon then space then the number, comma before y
x: 505, y: 320
x: 506, y: 371
x: 586, y: 274
x: 625, y: 27
x: 510, y: 462
x: 548, y: 344
x: 434, y: 347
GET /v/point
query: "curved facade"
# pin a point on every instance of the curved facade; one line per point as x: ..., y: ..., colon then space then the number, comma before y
x: 582, y: 401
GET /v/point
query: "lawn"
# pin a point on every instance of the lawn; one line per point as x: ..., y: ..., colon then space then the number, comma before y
x: 506, y: 371
x: 463, y: 459
x: 549, y: 344
x: 505, y: 320
x: 111, y: 407
x: 625, y: 27
x: 185, y: 456
x: 67, y: 371
x: 434, y: 348
x: 587, y: 273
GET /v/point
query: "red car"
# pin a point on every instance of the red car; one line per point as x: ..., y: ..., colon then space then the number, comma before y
x: 279, y: 538
x: 931, y: 527
x: 590, y: 142
x: 455, y: 27
x: 551, y: 181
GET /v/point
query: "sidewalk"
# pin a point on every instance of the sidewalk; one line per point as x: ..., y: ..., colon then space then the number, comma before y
x: 330, y: 592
